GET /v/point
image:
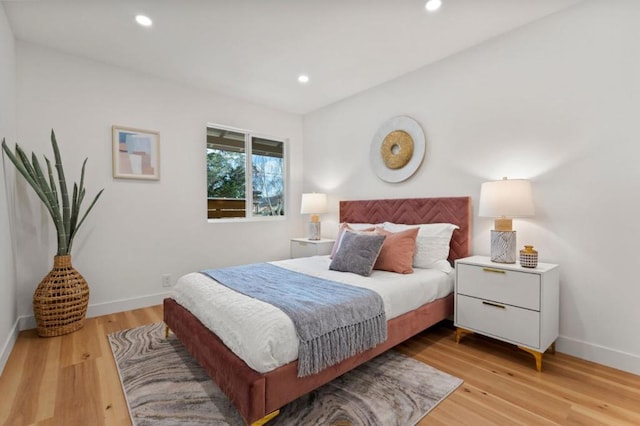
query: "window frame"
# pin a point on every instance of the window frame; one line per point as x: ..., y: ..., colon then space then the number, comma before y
x: 248, y: 138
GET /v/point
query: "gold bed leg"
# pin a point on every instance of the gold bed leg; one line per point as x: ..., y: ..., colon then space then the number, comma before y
x: 536, y: 355
x: 461, y: 332
x: 265, y: 419
x: 166, y: 331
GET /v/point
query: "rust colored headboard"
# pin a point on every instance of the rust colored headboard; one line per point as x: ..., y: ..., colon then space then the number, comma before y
x: 414, y: 211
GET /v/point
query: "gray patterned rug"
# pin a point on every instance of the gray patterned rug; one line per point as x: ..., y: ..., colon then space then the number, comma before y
x: 163, y: 385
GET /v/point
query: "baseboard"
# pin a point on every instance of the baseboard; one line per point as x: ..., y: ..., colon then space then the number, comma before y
x: 8, y: 345
x: 599, y: 354
x: 121, y: 305
x: 106, y: 308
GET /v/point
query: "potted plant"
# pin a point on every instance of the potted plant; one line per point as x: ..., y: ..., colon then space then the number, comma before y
x: 61, y: 299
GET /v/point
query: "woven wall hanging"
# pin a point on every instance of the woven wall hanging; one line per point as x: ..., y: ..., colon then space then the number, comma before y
x: 397, y: 149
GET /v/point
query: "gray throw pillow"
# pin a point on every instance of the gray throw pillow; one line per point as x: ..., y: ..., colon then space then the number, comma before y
x: 357, y: 253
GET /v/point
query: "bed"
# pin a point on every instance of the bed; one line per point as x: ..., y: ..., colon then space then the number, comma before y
x: 259, y: 396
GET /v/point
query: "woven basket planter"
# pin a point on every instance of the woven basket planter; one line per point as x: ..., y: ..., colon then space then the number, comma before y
x: 60, y: 300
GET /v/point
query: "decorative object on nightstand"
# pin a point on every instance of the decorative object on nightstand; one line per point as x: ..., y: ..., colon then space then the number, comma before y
x: 505, y: 199
x: 314, y: 204
x: 528, y: 257
x: 303, y: 247
x: 509, y: 303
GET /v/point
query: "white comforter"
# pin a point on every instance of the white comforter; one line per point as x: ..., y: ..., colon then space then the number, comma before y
x: 264, y: 336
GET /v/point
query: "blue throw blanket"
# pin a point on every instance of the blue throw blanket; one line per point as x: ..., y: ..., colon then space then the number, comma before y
x: 333, y: 321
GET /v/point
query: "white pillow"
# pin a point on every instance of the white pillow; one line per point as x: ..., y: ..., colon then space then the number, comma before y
x: 432, y: 244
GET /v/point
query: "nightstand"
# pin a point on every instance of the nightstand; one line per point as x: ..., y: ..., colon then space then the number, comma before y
x: 303, y: 247
x: 508, y: 302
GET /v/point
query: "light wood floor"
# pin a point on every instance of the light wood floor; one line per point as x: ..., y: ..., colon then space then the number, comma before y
x: 72, y: 380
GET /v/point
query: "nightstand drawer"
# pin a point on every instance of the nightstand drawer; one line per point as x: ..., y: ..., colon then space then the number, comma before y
x: 520, y: 326
x: 514, y: 288
x: 302, y: 247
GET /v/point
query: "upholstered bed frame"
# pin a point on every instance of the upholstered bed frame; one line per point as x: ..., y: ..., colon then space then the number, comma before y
x: 259, y: 396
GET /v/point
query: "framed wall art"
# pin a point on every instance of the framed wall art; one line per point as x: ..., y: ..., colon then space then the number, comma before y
x: 136, y: 153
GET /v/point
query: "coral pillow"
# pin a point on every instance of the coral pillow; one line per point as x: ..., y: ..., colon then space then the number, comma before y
x: 397, y: 251
x: 432, y: 244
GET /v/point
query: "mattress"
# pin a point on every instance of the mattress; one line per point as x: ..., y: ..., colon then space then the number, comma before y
x: 264, y: 336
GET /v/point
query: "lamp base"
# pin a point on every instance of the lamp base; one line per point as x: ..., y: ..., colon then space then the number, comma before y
x: 314, y: 231
x: 503, y: 246
x: 503, y: 224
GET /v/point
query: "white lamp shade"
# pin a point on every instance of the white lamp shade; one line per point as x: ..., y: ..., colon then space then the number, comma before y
x: 506, y: 198
x: 313, y: 203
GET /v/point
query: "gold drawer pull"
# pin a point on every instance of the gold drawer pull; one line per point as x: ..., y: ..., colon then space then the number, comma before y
x: 499, y: 271
x: 495, y: 305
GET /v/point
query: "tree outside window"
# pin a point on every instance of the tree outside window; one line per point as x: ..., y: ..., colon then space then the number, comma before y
x: 227, y: 180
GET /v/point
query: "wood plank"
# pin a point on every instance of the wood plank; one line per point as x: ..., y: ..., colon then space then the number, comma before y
x: 36, y: 373
x: 114, y: 405
x: 10, y: 380
x: 80, y: 346
x: 51, y: 381
x: 564, y: 384
x: 78, y: 398
x: 563, y: 393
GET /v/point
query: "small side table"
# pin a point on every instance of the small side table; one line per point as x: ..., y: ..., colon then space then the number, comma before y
x: 508, y: 302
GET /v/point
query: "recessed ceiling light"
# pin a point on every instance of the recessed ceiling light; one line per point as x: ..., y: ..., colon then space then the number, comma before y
x: 145, y: 21
x: 433, y: 5
x: 303, y: 78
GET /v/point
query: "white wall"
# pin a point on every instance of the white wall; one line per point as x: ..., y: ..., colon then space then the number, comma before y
x: 8, y: 310
x: 138, y: 230
x: 556, y: 102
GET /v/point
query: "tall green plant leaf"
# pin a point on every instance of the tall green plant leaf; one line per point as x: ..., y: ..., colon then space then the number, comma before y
x: 53, y: 202
x: 52, y: 183
x: 78, y: 196
x: 84, y: 217
x: 62, y: 182
x: 74, y: 206
x: 17, y: 161
x: 53, y: 193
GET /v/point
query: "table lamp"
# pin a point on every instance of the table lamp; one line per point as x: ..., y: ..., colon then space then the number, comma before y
x: 314, y: 204
x: 503, y: 200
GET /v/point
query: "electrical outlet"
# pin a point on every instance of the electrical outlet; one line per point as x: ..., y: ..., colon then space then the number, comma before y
x: 166, y: 280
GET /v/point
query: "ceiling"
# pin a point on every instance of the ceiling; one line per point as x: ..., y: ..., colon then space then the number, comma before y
x: 255, y: 49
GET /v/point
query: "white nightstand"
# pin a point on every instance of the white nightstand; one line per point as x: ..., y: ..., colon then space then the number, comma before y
x: 304, y: 247
x: 508, y: 302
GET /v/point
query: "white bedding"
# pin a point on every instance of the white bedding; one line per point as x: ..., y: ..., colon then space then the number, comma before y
x: 264, y: 336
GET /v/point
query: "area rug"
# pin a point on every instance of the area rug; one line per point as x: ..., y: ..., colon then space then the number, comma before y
x: 163, y: 385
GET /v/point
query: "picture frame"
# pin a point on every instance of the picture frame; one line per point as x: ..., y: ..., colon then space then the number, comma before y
x: 136, y: 153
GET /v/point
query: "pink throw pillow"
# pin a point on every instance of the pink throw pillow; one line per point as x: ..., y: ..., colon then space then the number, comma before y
x: 397, y: 251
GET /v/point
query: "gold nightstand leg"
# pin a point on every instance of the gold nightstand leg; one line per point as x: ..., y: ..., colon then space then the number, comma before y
x: 552, y: 348
x: 461, y: 332
x: 166, y: 331
x: 536, y: 355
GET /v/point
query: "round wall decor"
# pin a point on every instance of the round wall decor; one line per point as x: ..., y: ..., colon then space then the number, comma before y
x: 397, y: 149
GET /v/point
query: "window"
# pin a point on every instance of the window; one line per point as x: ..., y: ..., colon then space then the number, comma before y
x: 230, y: 153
